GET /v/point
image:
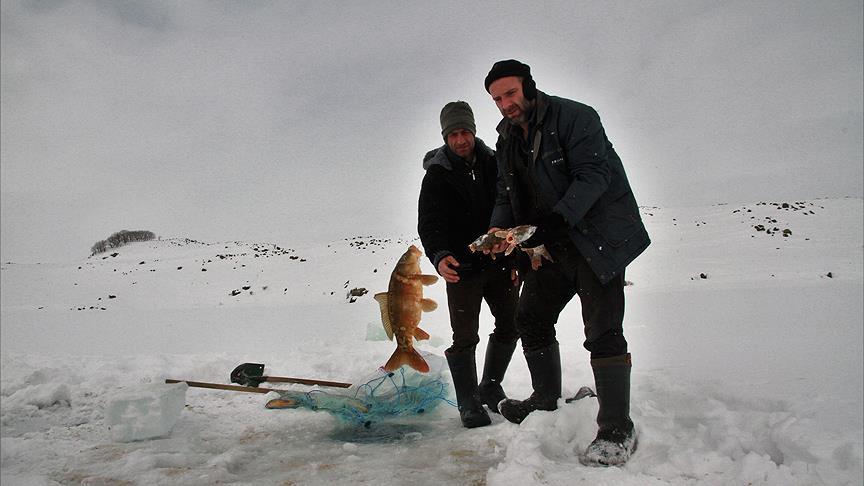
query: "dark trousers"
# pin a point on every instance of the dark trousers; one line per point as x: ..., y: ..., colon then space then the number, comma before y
x: 465, y: 297
x: 547, y: 290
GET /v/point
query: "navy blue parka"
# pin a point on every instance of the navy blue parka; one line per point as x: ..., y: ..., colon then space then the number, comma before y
x: 578, y: 175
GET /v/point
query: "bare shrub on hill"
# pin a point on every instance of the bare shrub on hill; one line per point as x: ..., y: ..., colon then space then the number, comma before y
x: 120, y: 238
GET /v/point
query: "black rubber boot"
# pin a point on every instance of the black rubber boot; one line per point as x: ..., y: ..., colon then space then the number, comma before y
x: 545, y: 367
x: 616, y: 438
x: 463, y: 369
x: 497, y: 358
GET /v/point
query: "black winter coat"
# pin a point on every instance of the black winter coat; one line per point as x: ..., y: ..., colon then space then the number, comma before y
x: 577, y: 174
x: 455, y: 205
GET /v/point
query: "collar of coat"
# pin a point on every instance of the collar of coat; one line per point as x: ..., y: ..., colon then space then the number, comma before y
x: 542, y: 107
x: 439, y: 156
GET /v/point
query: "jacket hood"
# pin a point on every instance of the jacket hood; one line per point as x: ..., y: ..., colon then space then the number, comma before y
x: 438, y: 156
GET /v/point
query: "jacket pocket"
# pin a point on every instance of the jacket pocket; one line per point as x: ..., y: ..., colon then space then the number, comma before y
x: 619, y: 222
x: 553, y: 154
x: 555, y: 171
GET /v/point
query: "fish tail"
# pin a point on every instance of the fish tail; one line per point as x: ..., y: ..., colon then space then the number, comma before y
x: 406, y: 356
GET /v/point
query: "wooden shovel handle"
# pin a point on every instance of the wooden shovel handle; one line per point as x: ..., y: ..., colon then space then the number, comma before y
x: 304, y: 381
x: 219, y: 386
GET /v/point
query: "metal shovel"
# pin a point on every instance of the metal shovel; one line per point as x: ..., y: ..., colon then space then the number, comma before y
x: 252, y: 375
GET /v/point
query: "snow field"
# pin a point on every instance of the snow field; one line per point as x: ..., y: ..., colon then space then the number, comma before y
x: 752, y: 375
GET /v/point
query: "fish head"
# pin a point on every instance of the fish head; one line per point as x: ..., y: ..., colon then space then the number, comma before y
x: 410, y: 260
x: 414, y: 252
x: 485, y: 242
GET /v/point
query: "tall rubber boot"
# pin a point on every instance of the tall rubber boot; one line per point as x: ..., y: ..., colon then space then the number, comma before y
x: 545, y: 367
x: 464, y: 372
x: 616, y: 437
x: 497, y: 359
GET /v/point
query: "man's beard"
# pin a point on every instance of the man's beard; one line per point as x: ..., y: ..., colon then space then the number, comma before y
x: 526, y: 110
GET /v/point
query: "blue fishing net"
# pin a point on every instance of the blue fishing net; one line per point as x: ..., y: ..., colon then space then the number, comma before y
x: 380, y: 396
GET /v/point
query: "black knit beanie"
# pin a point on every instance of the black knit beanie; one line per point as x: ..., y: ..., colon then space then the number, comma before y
x: 512, y: 67
x: 455, y: 115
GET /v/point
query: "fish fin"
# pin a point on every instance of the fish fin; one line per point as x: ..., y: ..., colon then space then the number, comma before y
x: 428, y: 305
x: 418, y: 363
x: 420, y: 334
x: 382, y: 299
x: 509, y: 250
x: 410, y: 357
x: 397, y: 359
x: 423, y: 279
x: 541, y: 251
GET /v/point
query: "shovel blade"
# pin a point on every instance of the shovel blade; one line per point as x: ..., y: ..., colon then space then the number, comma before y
x: 248, y: 374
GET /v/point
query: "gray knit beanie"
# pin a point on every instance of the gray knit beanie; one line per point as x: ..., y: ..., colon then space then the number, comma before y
x: 455, y: 115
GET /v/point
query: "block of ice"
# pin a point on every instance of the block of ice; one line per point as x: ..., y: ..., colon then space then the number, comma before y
x: 145, y: 411
x: 375, y: 332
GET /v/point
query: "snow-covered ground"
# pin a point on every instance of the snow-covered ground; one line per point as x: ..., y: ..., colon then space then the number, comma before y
x: 747, y: 350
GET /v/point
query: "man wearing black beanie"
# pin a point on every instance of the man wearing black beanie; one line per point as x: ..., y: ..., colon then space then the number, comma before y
x: 558, y: 171
x: 456, y: 201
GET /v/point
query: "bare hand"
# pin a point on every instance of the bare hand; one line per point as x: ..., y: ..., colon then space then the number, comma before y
x: 536, y: 263
x: 446, y: 268
x: 537, y: 255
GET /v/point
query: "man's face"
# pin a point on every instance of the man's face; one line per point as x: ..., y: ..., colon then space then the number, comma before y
x: 461, y: 142
x: 508, y: 96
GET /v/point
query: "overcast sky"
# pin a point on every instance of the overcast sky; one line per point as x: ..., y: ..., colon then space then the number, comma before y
x: 288, y: 122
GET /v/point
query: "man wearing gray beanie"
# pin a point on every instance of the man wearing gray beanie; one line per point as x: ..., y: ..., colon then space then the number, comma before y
x: 558, y: 171
x: 456, y: 200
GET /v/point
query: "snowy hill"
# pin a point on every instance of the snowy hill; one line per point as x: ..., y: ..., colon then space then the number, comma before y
x: 745, y: 324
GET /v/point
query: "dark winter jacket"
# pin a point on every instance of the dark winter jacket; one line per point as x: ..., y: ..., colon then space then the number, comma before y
x: 577, y: 174
x: 455, y: 205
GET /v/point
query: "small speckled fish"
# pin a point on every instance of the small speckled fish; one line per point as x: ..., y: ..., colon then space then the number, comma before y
x: 317, y: 401
x: 513, y: 236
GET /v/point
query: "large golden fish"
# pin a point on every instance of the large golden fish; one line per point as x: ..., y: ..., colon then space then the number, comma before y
x: 401, y: 308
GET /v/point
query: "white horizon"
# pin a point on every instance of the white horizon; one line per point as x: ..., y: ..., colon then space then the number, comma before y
x: 274, y: 122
